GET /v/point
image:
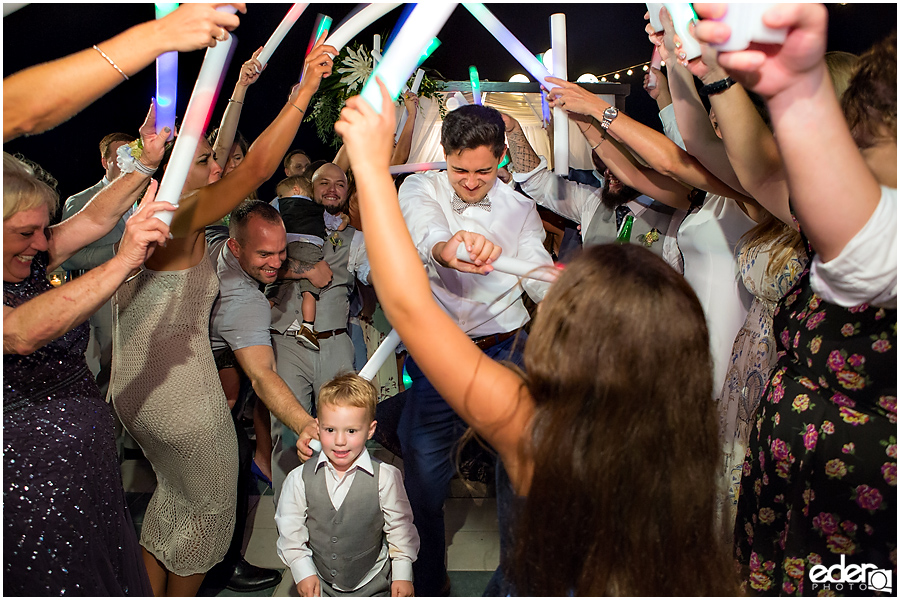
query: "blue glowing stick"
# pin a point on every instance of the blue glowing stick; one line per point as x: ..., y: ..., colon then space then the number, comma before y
x: 476, y: 85
x: 166, y: 80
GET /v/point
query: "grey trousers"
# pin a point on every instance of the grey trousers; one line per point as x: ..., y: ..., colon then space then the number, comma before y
x: 304, y: 371
x: 380, y: 586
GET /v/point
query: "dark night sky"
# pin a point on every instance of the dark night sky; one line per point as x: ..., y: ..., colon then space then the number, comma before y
x: 601, y: 38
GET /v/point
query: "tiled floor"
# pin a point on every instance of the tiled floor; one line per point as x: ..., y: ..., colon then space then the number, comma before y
x: 473, y: 540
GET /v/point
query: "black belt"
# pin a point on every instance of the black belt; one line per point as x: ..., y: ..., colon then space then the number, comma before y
x: 489, y: 341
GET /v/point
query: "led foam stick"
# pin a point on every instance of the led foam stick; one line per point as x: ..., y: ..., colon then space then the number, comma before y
x: 415, y: 167
x: 384, y: 351
x: 682, y: 15
x: 278, y: 35
x: 350, y: 28
x: 560, y: 117
x: 404, y: 14
x: 515, y: 266
x: 512, y: 45
x: 323, y: 23
x: 653, y: 8
x: 476, y: 85
x: 545, y: 110
x: 166, y: 80
x: 195, y: 120
x: 403, y: 56
x: 655, y: 63
x: 404, y: 114
x: 376, y: 43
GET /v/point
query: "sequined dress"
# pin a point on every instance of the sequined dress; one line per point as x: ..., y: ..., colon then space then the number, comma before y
x: 66, y: 527
x: 167, y: 392
x: 752, y: 360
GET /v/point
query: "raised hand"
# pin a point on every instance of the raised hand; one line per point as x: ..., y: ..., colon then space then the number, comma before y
x: 195, y: 26
x: 573, y: 98
x: 317, y: 66
x: 411, y: 102
x: 251, y: 69
x: 154, y: 142
x: 769, y: 69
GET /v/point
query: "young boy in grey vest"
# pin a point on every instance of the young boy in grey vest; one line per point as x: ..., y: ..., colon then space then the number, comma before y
x: 345, y: 527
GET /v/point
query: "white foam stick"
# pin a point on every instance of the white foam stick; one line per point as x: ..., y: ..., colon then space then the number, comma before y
x: 315, y: 445
x: 655, y: 63
x: 417, y: 82
x: 528, y: 60
x: 416, y: 167
x: 384, y: 351
x: 515, y: 266
x: 682, y: 14
x: 460, y: 98
x: 405, y: 52
x: 653, y: 8
x: 560, y: 117
x: 278, y: 35
x: 351, y: 28
x: 376, y: 43
x: 376, y: 58
x: 195, y: 118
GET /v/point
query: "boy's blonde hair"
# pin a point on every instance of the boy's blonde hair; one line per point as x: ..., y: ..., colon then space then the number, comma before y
x: 349, y: 390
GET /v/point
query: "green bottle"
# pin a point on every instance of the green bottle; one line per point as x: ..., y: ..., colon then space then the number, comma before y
x: 624, y: 235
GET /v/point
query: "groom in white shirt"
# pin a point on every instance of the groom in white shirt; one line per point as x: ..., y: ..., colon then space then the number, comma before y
x: 466, y: 204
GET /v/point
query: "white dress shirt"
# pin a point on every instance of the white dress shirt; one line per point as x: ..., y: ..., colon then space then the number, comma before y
x: 866, y: 269
x: 480, y: 304
x: 402, y: 540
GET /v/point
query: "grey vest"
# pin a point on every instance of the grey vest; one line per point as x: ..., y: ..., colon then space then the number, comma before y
x: 333, y: 307
x: 345, y: 543
x: 602, y: 229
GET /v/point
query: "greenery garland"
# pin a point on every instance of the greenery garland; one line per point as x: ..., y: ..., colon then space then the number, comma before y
x: 352, y: 68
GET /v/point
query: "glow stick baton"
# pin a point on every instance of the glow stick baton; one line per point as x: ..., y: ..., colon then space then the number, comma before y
x: 417, y: 82
x: 376, y: 58
x: 655, y: 63
x: 682, y: 14
x: 384, y: 351
x: 508, y: 40
x: 323, y: 23
x: 476, y: 85
x: 351, y: 28
x: 278, y: 35
x: 515, y: 266
x: 653, y: 8
x: 414, y: 167
x: 432, y: 46
x: 560, y: 117
x: 460, y: 99
x: 195, y: 119
x: 166, y: 80
x: 403, y: 56
x: 404, y: 14
x: 545, y: 110
x: 376, y: 43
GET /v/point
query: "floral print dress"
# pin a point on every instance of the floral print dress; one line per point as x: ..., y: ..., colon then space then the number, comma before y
x: 820, y: 475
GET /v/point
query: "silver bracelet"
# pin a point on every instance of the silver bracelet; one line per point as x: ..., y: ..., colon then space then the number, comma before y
x: 142, y: 168
x: 111, y: 61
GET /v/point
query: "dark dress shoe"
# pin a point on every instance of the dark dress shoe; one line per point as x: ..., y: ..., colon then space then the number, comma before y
x: 249, y: 578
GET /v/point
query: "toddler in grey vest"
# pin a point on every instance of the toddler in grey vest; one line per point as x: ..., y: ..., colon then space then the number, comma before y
x: 345, y: 527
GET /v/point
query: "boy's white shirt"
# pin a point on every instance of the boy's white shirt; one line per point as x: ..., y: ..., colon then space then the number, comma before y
x: 402, y: 539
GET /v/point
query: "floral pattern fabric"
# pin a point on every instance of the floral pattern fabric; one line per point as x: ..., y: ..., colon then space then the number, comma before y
x: 752, y: 359
x: 820, y: 476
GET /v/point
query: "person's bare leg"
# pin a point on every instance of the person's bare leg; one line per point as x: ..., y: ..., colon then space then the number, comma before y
x: 262, y: 427
x: 231, y: 385
x: 184, y: 586
x: 156, y: 572
x: 308, y: 308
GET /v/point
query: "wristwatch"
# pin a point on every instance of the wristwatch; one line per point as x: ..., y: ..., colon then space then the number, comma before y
x: 609, y: 116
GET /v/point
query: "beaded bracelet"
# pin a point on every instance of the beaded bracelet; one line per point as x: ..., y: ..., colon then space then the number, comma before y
x: 111, y: 61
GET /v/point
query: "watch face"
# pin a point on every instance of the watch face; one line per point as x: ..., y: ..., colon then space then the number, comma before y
x: 611, y: 113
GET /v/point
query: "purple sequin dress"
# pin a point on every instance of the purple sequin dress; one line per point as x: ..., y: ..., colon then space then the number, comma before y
x: 66, y: 527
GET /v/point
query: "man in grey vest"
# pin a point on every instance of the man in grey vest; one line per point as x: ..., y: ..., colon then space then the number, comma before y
x: 302, y: 369
x: 93, y: 255
x: 599, y: 211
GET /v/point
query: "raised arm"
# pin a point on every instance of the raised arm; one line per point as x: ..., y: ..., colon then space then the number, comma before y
x: 833, y: 192
x: 46, y: 317
x: 250, y: 72
x: 404, y: 142
x: 41, y: 97
x: 104, y: 210
x: 210, y: 203
x: 488, y: 396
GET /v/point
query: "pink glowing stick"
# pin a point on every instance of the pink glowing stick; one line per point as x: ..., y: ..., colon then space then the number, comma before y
x: 655, y: 63
x: 195, y: 120
x: 415, y: 167
x: 515, y: 266
x: 281, y: 31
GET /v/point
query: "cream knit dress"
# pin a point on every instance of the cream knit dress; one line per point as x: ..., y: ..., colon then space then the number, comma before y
x: 166, y: 391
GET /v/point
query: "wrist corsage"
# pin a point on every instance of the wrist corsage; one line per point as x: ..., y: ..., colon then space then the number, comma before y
x: 648, y: 238
x: 128, y: 159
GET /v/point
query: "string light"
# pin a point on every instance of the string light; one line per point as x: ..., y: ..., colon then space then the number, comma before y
x: 646, y: 68
x: 628, y: 71
x: 616, y: 75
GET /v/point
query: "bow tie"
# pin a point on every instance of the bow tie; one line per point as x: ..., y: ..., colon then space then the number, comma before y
x: 459, y: 206
x: 332, y: 222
